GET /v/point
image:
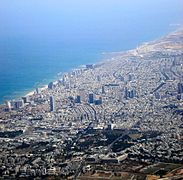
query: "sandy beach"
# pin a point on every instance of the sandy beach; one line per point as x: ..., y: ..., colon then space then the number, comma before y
x: 41, y: 89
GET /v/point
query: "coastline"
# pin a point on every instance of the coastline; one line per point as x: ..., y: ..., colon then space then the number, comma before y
x: 43, y: 86
x: 27, y: 93
x: 110, y: 55
x: 32, y: 92
x: 54, y: 80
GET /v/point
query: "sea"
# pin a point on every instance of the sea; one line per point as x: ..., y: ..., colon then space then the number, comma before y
x: 40, y: 39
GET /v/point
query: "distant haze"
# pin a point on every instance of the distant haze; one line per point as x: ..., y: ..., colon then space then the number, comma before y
x: 39, y: 38
x: 83, y: 18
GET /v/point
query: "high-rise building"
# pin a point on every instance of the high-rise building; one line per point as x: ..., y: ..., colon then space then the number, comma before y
x: 129, y: 77
x: 37, y: 91
x: 126, y: 93
x: 157, y: 95
x: 129, y: 93
x: 179, y: 97
x: 110, y: 126
x: 91, y: 98
x: 89, y: 66
x: 132, y: 93
x: 103, y: 89
x: 18, y: 104
x: 180, y: 88
x: 98, y: 78
x: 62, y: 81
x: 25, y: 99
x: 98, y: 101
x: 83, y: 95
x: 52, y: 104
x: 78, y: 99
x: 15, y: 104
x: 50, y: 85
x: 9, y: 105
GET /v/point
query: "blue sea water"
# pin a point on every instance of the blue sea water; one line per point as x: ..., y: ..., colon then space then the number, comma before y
x: 39, y: 39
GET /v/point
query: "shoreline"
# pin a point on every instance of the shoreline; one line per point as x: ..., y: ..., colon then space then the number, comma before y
x: 44, y: 86
x: 27, y: 93
x: 109, y: 54
x: 32, y: 92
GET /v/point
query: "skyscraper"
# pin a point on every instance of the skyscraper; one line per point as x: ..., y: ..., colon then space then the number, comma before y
x: 25, y: 99
x: 52, y: 104
x: 78, y: 99
x: 37, y: 91
x: 90, y: 98
x: 18, y: 104
x: 50, y: 85
x: 126, y: 93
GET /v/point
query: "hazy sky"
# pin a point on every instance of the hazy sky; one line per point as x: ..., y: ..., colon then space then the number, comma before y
x: 34, y: 18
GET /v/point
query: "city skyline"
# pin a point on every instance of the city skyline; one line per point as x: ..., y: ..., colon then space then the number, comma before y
x: 120, y: 118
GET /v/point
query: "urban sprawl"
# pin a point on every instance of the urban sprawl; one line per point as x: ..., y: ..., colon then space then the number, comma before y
x: 119, y: 119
